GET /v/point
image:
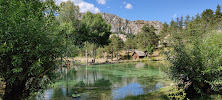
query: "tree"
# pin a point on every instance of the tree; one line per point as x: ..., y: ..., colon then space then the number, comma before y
x: 98, y: 31
x: 218, y: 13
x: 181, y: 23
x: 194, y: 27
x: 199, y: 64
x: 164, y: 31
x: 130, y: 36
x: 172, y: 28
x: 68, y: 12
x: 187, y: 20
x: 218, y: 18
x: 129, y: 44
x: 147, y: 36
x: 116, y: 44
x: 28, y: 46
x: 177, y: 23
x: 207, y: 17
x: 72, y: 32
x: 109, y: 50
x: 150, y: 50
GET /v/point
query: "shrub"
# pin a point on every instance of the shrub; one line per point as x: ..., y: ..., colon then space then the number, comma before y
x: 200, y: 63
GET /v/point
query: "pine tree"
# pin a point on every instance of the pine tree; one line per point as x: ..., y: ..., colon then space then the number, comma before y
x: 164, y: 31
x: 172, y: 27
x: 177, y: 23
x: 218, y: 13
x: 181, y: 23
x: 187, y: 20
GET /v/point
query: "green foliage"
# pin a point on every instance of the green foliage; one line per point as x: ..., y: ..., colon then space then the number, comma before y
x: 68, y: 12
x: 98, y: 31
x: 100, y: 51
x: 177, y: 94
x: 129, y: 44
x: 116, y: 43
x: 28, y: 46
x: 150, y: 49
x: 147, y: 37
x: 180, y: 24
x: 207, y: 15
x: 164, y: 31
x: 218, y: 13
x: 130, y: 36
x: 72, y: 32
x: 199, y: 63
x: 188, y: 29
x: 187, y: 20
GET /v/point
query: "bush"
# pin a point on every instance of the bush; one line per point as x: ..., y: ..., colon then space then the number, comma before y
x: 200, y: 63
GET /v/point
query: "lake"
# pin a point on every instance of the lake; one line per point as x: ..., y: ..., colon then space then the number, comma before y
x: 106, y: 82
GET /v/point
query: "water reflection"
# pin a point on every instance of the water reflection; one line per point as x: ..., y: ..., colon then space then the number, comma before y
x: 132, y: 89
x: 104, y: 82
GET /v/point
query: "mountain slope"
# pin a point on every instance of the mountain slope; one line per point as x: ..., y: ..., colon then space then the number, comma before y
x: 123, y: 25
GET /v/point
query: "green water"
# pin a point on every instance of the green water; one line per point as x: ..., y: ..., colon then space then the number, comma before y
x: 106, y: 82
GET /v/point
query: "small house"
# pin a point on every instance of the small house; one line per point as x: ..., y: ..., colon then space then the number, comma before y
x: 138, y: 55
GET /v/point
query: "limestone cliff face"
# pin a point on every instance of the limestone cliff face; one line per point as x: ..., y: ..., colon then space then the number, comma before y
x: 123, y: 25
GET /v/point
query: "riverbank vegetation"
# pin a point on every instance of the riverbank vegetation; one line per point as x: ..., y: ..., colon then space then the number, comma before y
x: 196, y: 55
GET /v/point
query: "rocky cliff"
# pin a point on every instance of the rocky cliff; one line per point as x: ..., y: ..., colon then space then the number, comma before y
x: 123, y: 25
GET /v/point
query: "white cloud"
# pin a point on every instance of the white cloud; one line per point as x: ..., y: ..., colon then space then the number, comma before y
x: 124, y: 2
x: 128, y: 6
x: 175, y: 15
x: 101, y: 2
x: 83, y: 6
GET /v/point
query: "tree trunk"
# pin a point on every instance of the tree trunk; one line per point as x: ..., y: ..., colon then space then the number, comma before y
x: 103, y: 54
x: 66, y: 51
x: 191, y: 92
x: 128, y: 55
x: 15, y: 92
x: 86, y: 55
x: 117, y: 56
x: 94, y: 53
x: 112, y: 55
x: 107, y: 57
x: 94, y: 56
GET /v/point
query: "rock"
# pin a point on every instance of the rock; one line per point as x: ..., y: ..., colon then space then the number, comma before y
x: 122, y: 25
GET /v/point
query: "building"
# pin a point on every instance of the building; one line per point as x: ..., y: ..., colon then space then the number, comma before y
x: 138, y: 55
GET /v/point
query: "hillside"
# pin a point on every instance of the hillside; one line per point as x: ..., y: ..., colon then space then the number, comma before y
x: 120, y: 25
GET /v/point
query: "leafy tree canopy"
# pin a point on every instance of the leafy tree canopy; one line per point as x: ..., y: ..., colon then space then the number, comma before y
x: 97, y: 29
x: 28, y: 46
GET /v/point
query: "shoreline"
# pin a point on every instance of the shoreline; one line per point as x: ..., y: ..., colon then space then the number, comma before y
x: 122, y: 61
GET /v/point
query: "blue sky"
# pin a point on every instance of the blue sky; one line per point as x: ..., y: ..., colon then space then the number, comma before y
x: 158, y: 10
